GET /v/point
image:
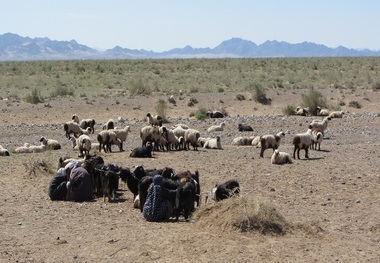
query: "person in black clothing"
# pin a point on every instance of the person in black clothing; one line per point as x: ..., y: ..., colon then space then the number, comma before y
x: 57, y: 185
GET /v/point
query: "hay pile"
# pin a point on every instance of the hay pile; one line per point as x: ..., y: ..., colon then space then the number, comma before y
x: 243, y: 214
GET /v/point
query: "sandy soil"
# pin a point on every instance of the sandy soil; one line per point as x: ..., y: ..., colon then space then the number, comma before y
x: 335, y: 193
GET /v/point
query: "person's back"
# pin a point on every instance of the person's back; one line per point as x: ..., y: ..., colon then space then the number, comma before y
x: 80, y: 186
x: 57, y: 185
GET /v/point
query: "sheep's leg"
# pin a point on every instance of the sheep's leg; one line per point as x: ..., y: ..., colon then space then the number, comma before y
x: 298, y: 153
x: 262, y: 152
x: 307, y: 152
x: 294, y: 152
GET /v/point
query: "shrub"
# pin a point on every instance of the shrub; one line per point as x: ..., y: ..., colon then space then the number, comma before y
x: 376, y: 86
x: 35, y: 97
x: 161, y: 108
x: 220, y: 90
x: 138, y: 87
x: 258, y: 93
x: 200, y: 114
x: 62, y: 91
x: 289, y: 110
x: 312, y: 100
x: 240, y: 97
x: 354, y: 104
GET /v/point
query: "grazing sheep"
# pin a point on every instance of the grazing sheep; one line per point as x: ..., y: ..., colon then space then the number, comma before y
x: 240, y: 141
x: 322, y: 112
x: 320, y: 125
x: 244, y: 127
x: 280, y: 157
x: 301, y: 111
x: 85, y: 123
x: 215, y: 128
x: 106, y: 139
x: 191, y: 137
x: 110, y: 124
x: 173, y: 142
x: 226, y: 190
x: 213, y: 143
x: 143, y: 151
x: 214, y: 114
x: 270, y: 141
x: 3, y: 151
x: 74, y: 128
x: 122, y: 135
x: 50, y: 143
x: 316, y: 139
x: 27, y: 148
x: 336, y: 114
x: 302, y: 141
x: 154, y: 119
x: 84, y: 145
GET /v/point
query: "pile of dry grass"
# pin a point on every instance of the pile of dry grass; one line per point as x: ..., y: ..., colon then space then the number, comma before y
x: 243, y: 214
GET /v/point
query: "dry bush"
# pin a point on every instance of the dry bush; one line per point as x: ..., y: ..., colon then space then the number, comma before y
x: 242, y: 214
x: 37, y: 166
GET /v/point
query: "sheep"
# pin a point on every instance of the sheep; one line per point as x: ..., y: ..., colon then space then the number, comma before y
x: 191, y: 137
x: 27, y: 148
x: 74, y: 128
x: 280, y: 157
x: 201, y: 141
x: 110, y: 124
x: 85, y: 123
x: 316, y: 139
x: 180, y: 130
x: 214, y: 114
x: 226, y: 190
x: 270, y: 141
x: 3, y: 151
x: 171, y: 99
x: 172, y: 140
x: 322, y: 112
x: 154, y: 119
x: 244, y: 127
x: 143, y: 151
x: 75, y: 118
x: 151, y: 134
x: 215, y: 128
x: 256, y: 141
x: 240, y: 141
x: 106, y: 138
x: 84, y: 145
x: 302, y: 141
x: 336, y: 114
x: 301, y: 111
x: 122, y: 135
x: 74, y: 143
x: 183, y: 126
x: 213, y: 143
x: 50, y: 143
x: 320, y: 125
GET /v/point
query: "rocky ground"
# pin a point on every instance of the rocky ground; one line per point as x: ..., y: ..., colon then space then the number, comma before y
x: 334, y: 194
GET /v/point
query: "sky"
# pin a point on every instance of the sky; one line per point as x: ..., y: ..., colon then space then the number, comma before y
x: 162, y: 25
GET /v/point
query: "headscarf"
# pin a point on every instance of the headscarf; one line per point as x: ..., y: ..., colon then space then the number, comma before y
x: 155, y: 207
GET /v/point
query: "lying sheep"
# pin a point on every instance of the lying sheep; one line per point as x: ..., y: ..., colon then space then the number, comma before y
x: 154, y: 120
x: 241, y: 141
x: 122, y: 135
x: 280, y: 157
x: 226, y: 190
x: 3, y: 151
x: 143, y: 151
x: 316, y: 139
x: 256, y: 141
x: 322, y: 112
x: 213, y: 143
x: 191, y: 137
x: 336, y: 114
x: 110, y: 124
x: 270, y: 141
x: 320, y: 125
x: 244, y: 127
x: 50, y: 143
x: 27, y: 148
x: 214, y: 114
x: 301, y: 111
x: 106, y: 139
x: 74, y: 128
x: 201, y: 141
x: 84, y: 145
x: 302, y: 141
x: 215, y: 128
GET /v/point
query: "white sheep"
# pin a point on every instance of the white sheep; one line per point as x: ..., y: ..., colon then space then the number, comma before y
x: 110, y: 124
x: 316, y: 139
x: 85, y: 123
x: 50, y: 143
x: 302, y: 141
x: 75, y: 118
x: 74, y: 128
x: 270, y: 141
x: 191, y: 137
x: 215, y: 128
x: 3, y: 151
x: 84, y: 145
x: 241, y: 140
x: 74, y: 143
x: 172, y: 140
x: 301, y: 111
x: 280, y: 157
x: 322, y: 112
x: 27, y: 148
x: 320, y: 125
x: 154, y: 119
x: 202, y: 140
x: 149, y: 134
x: 180, y: 130
x: 213, y: 143
x: 336, y: 114
x: 256, y: 141
x: 122, y: 134
x: 106, y: 139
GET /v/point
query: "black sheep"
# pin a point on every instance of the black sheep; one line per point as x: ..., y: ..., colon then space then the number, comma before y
x: 244, y: 127
x: 142, y: 152
x: 226, y: 190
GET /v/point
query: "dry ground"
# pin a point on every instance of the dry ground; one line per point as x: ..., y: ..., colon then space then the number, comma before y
x: 334, y: 195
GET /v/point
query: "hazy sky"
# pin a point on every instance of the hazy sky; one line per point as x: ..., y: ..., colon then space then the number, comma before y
x: 165, y: 24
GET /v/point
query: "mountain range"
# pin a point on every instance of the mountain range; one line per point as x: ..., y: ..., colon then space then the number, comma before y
x: 15, y: 48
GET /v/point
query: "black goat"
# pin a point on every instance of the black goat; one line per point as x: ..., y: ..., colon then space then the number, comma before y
x: 226, y: 190
x: 142, y: 152
x: 244, y: 127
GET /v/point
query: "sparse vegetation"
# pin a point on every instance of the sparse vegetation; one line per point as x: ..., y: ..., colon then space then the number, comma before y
x: 35, y: 97
x: 258, y: 92
x: 312, y: 100
x: 354, y: 104
x: 200, y: 114
x: 161, y: 108
x: 289, y: 110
